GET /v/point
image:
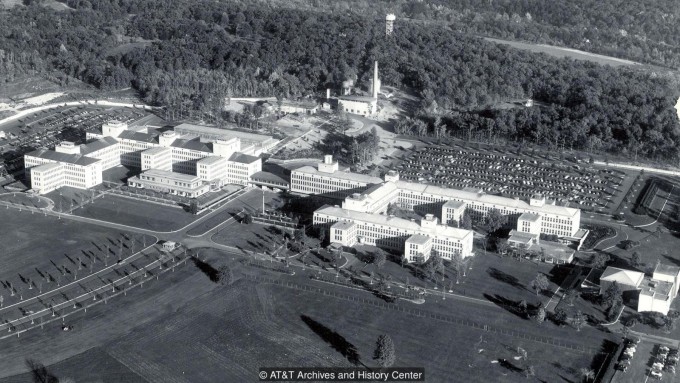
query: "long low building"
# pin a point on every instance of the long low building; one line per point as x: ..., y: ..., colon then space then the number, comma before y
x: 170, y: 182
x: 372, y: 195
x: 168, y: 151
x: 416, y: 240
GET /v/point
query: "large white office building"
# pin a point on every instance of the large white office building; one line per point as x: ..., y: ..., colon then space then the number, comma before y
x: 367, y: 194
x: 222, y: 157
x: 416, y: 240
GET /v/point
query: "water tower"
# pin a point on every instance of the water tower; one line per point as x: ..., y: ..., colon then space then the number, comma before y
x: 389, y: 23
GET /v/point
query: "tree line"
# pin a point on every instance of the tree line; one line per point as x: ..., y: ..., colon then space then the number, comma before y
x: 190, y: 56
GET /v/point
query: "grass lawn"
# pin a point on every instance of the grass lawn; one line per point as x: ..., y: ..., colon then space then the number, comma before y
x: 136, y: 213
x: 487, y: 277
x: 36, y: 244
x: 250, y: 237
x: 24, y: 199
x: 186, y: 328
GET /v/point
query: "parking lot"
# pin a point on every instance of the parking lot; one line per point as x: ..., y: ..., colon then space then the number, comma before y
x: 646, y: 362
x: 499, y: 171
x: 46, y: 128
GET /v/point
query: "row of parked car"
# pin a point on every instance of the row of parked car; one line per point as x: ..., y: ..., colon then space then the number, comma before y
x: 627, y: 354
x: 666, y: 360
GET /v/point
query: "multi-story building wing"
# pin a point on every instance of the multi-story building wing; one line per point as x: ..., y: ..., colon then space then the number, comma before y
x: 328, y: 180
x: 349, y: 227
x: 47, y: 177
x: 79, y: 171
x: 369, y: 194
x: 240, y: 167
x: 118, y: 144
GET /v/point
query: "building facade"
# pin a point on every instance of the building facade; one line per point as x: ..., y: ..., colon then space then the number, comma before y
x: 349, y: 227
x: 372, y: 194
x: 170, y: 182
x: 118, y: 144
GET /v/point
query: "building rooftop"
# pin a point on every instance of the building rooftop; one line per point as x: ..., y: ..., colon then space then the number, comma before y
x: 343, y: 225
x: 96, y: 145
x: 156, y: 150
x: 418, y: 239
x: 485, y: 198
x: 349, y: 176
x: 193, y: 145
x: 393, y: 222
x: 76, y: 159
x: 138, y: 136
x: 243, y: 158
x: 655, y: 288
x: 211, y: 160
x: 454, y: 204
x: 533, y: 217
x: 520, y: 236
x: 668, y: 270
x: 357, y: 98
x: 622, y: 276
x: 171, y: 175
x: 268, y: 177
x: 46, y: 167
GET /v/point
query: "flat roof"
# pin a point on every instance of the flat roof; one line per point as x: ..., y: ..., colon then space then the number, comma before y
x: 349, y: 176
x: 454, y: 204
x: 156, y: 150
x: 343, y: 225
x: 393, y: 222
x: 171, y: 175
x: 668, y: 270
x: 211, y: 160
x: 656, y: 288
x: 138, y: 136
x: 76, y: 159
x: 301, y: 103
x: 533, y: 217
x: 357, y: 98
x: 484, y: 198
x: 99, y: 144
x: 418, y: 239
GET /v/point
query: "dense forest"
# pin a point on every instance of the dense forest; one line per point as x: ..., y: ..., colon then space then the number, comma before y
x: 190, y: 55
x: 645, y: 31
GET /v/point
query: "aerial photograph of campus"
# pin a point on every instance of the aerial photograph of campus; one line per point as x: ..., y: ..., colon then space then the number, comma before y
x: 348, y: 190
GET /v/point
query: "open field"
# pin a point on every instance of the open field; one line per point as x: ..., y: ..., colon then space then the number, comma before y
x: 137, y: 213
x: 565, y: 52
x: 285, y: 326
x: 40, y: 251
x: 100, y: 325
